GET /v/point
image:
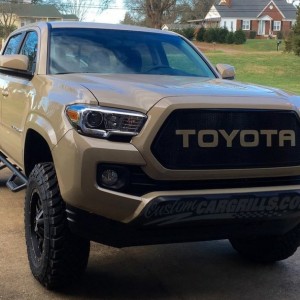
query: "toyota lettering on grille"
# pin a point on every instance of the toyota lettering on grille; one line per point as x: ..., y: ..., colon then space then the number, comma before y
x: 210, y: 138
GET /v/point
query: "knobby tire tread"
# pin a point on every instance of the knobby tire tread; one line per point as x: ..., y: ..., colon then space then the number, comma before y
x: 66, y: 255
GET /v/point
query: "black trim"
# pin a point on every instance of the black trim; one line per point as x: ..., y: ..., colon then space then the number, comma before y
x: 17, y: 73
x: 49, y: 26
x: 37, y: 50
x: 117, y: 234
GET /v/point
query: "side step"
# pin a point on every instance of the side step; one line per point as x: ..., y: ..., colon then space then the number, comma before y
x: 17, y: 181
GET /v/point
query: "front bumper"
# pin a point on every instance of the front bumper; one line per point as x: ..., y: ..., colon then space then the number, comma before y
x: 194, y: 218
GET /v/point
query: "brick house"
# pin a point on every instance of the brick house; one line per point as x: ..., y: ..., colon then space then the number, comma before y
x: 265, y: 17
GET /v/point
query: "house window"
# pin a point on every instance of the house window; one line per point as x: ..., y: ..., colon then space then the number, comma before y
x: 231, y: 25
x: 225, y: 24
x: 246, y: 25
x: 277, y: 26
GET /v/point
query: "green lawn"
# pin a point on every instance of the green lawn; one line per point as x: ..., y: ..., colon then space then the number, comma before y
x: 255, y: 64
x: 261, y: 45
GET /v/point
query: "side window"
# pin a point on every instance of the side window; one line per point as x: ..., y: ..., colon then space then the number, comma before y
x: 184, y: 60
x: 29, y: 49
x: 179, y: 60
x: 13, y: 44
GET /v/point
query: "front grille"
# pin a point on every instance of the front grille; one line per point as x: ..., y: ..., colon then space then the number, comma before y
x: 194, y: 139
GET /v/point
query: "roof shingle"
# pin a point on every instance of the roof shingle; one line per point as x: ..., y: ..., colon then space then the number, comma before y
x: 35, y: 10
x: 251, y: 9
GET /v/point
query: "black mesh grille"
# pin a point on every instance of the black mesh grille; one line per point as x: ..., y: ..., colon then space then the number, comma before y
x: 168, y: 146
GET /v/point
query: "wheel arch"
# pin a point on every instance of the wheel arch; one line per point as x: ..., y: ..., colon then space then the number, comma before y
x: 36, y: 151
x: 41, y: 137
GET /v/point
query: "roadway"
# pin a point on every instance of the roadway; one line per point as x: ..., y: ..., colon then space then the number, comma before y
x: 204, y: 270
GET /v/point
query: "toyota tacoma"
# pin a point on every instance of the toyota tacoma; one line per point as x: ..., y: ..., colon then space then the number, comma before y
x: 128, y: 136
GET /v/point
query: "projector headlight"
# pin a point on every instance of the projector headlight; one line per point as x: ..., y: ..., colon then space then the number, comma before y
x: 104, y: 122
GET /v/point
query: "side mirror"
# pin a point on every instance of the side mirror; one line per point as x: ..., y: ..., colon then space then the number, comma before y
x: 226, y: 71
x: 16, y: 62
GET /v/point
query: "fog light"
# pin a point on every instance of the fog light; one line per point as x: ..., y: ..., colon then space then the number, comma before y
x: 109, y: 177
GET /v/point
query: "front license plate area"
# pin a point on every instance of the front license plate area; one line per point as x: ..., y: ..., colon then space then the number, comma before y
x: 172, y: 210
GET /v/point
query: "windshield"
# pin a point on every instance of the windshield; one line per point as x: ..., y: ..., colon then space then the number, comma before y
x: 122, y: 52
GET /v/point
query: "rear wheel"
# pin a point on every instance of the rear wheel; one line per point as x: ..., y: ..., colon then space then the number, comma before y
x: 55, y: 255
x: 268, y: 249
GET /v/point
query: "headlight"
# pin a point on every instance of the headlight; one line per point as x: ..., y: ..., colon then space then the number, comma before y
x: 104, y: 122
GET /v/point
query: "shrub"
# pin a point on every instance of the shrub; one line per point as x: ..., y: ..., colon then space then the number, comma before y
x: 289, y: 42
x: 188, y: 32
x: 179, y: 31
x: 210, y: 35
x: 240, y: 37
x: 296, y: 35
x: 230, y: 38
x: 200, y: 34
x: 296, y: 45
x: 221, y: 35
x: 292, y: 43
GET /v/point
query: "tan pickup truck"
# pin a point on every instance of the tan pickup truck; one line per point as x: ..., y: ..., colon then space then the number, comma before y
x: 129, y: 136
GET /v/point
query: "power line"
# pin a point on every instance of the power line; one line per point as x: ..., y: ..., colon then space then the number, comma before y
x: 238, y: 8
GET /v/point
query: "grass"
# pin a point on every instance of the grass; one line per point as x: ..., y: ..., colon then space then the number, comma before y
x: 256, y: 62
x: 260, y: 45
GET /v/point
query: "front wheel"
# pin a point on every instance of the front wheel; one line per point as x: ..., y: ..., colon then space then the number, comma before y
x: 56, y: 257
x: 268, y: 249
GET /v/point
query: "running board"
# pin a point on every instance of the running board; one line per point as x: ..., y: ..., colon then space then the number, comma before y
x: 17, y: 181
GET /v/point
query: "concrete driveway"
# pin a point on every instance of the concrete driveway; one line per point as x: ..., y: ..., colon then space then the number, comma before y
x: 206, y: 270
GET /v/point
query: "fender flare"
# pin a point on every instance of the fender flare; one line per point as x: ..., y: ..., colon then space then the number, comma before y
x: 43, y: 127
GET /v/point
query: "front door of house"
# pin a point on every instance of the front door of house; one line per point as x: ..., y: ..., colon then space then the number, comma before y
x: 262, y: 27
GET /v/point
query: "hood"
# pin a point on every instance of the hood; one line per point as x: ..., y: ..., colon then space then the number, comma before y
x: 141, y: 92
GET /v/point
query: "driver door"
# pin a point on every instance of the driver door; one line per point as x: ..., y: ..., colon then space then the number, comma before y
x: 17, y: 95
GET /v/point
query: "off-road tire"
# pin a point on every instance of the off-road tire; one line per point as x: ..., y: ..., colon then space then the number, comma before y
x: 268, y: 249
x: 56, y: 256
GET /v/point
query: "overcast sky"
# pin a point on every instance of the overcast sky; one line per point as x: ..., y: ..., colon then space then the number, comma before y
x: 113, y: 15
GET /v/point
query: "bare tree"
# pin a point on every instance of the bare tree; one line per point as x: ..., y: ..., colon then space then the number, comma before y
x: 201, y: 7
x: 153, y: 10
x: 7, y: 18
x: 156, y: 12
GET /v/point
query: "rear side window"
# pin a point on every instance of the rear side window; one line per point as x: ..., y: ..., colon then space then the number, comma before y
x: 13, y: 44
x: 29, y: 49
